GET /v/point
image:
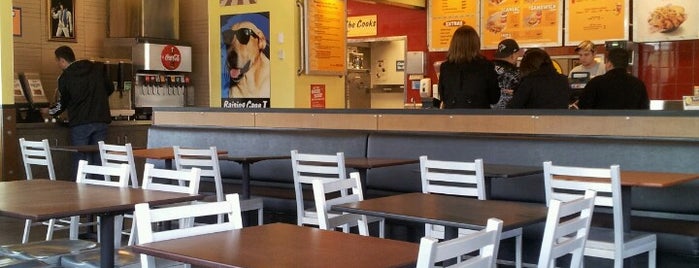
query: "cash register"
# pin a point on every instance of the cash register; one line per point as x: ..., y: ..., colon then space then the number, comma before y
x: 29, y: 97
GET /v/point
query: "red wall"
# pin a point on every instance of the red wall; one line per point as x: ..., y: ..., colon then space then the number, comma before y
x: 669, y: 69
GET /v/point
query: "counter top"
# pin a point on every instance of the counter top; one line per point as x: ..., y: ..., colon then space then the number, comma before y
x: 57, y: 125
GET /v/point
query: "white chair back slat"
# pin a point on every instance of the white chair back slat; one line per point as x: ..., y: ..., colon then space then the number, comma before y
x: 309, y: 167
x: 567, y: 228
x: 350, y: 191
x: 601, y: 187
x: 484, y: 242
x: 114, y: 155
x: 207, y: 161
x: 36, y: 153
x: 146, y: 216
x: 168, y: 178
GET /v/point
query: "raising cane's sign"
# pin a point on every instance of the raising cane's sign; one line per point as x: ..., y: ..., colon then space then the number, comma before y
x: 171, y: 57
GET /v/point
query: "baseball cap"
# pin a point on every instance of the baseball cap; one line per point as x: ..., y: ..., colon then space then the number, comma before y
x: 506, y: 48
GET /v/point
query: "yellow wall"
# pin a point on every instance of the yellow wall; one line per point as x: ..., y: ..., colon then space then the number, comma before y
x: 288, y: 89
x: 6, y: 53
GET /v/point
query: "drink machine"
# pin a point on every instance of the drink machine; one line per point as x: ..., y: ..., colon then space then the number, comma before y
x: 162, y: 76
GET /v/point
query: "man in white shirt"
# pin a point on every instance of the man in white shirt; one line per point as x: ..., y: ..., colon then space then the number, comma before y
x: 65, y: 20
x: 588, y: 64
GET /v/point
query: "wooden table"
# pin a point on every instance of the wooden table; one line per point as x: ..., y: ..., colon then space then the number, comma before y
x: 362, y: 164
x: 162, y: 153
x: 284, y: 245
x: 245, y: 162
x: 39, y: 200
x: 452, y: 212
x: 630, y: 179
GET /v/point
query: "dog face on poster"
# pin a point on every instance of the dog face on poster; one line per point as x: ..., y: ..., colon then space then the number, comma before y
x: 246, y: 59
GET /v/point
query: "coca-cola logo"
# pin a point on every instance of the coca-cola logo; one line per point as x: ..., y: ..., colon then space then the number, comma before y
x: 171, y: 57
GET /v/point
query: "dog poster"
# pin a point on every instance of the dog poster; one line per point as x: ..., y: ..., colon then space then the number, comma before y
x: 245, y: 65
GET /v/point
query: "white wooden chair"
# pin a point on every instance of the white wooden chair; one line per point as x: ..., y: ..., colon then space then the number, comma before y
x: 165, y: 180
x: 602, y: 242
x: 145, y: 217
x: 102, y: 176
x: 38, y: 153
x: 309, y: 167
x: 567, y: 226
x: 328, y: 221
x: 485, y: 241
x: 461, y: 179
x: 207, y: 161
x: 115, y: 155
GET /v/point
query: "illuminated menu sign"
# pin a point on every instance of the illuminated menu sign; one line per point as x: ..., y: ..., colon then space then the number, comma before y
x: 665, y: 20
x: 596, y: 20
x: 326, y: 37
x: 530, y: 22
x: 445, y: 16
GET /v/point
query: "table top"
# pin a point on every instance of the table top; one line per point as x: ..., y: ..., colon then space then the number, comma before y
x: 647, y: 178
x: 453, y: 211
x: 252, y: 158
x: 92, y: 148
x: 161, y: 153
x: 508, y: 171
x: 45, y: 199
x: 284, y: 245
x: 376, y: 162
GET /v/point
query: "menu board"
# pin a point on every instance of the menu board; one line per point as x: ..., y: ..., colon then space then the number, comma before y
x: 665, y: 20
x: 530, y: 22
x: 596, y: 20
x: 326, y: 38
x: 445, y: 16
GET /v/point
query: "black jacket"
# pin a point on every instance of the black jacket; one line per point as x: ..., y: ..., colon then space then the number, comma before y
x: 616, y: 89
x: 85, y: 90
x: 468, y: 85
x: 542, y: 89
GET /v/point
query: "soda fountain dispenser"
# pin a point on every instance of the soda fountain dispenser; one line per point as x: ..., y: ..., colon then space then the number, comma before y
x: 162, y: 76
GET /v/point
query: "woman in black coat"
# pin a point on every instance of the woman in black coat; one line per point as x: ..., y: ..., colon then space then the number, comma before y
x: 466, y: 78
x: 541, y: 87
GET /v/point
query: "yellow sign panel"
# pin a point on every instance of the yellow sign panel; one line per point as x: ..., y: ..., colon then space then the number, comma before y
x: 445, y: 16
x: 361, y: 26
x: 327, y: 39
x: 531, y: 23
x: 596, y: 20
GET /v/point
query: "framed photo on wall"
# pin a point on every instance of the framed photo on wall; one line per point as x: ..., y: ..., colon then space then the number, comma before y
x: 16, y: 21
x: 61, y: 18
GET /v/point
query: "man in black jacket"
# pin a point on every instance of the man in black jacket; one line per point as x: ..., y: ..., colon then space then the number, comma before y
x: 616, y: 89
x: 84, y: 92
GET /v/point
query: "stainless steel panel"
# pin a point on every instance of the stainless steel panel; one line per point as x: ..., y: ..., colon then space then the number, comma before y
x: 144, y: 18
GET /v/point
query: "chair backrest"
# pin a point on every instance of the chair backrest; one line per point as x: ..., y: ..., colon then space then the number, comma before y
x: 339, y: 190
x: 453, y: 177
x: 168, y: 180
x: 567, y: 226
x: 605, y: 181
x: 36, y: 153
x: 115, y: 155
x: 309, y: 167
x: 146, y: 216
x: 486, y: 241
x: 204, y: 159
x: 89, y: 174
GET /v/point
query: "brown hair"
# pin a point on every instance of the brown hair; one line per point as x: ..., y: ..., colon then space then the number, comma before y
x: 533, y: 60
x: 465, y: 45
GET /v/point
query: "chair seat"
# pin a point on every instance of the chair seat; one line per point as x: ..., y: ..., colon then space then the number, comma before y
x: 123, y: 257
x: 18, y: 263
x: 47, y: 251
x: 600, y: 238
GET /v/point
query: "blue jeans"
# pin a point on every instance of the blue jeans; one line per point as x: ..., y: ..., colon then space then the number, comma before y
x: 87, y: 134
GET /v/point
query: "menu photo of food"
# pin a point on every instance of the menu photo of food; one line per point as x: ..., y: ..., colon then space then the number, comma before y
x: 663, y: 20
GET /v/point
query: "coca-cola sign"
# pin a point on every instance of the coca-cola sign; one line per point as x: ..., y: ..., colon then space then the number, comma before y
x: 171, y: 57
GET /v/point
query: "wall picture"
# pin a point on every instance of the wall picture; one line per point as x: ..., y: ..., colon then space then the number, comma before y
x: 16, y: 21
x: 61, y: 18
x: 225, y: 3
x: 245, y: 64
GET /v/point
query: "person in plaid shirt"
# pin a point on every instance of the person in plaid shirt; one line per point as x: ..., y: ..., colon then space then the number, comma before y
x: 508, y: 75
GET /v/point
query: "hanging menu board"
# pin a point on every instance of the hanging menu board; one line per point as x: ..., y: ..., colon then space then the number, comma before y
x: 533, y: 23
x: 326, y: 37
x: 445, y: 16
x: 665, y: 20
x: 596, y: 20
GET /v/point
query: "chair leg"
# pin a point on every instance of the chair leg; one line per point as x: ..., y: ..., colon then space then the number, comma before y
x: 518, y: 251
x: 382, y: 228
x: 133, y: 237
x: 27, y: 228
x: 619, y: 263
x: 651, y: 258
x: 50, y: 229
x: 118, y: 226
x: 74, y: 223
